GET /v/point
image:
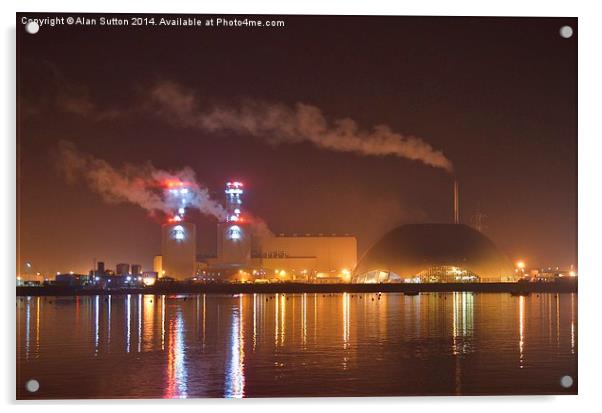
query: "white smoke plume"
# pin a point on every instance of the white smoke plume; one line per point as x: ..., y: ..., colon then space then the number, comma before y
x: 278, y: 123
x: 142, y: 185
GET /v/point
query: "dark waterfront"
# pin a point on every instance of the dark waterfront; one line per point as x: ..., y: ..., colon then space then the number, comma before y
x: 311, y: 344
x: 564, y: 286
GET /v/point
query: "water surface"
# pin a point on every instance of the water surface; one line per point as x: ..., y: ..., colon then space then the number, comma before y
x: 257, y: 345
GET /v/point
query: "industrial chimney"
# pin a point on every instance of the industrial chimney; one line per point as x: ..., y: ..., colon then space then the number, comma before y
x: 456, y: 203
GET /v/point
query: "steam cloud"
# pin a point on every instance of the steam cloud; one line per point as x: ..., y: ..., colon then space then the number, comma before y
x: 139, y: 185
x: 278, y: 123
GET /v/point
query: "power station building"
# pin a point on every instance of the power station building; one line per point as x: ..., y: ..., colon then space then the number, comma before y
x: 178, y: 237
x: 417, y: 253
x: 423, y: 253
x: 244, y: 254
x: 311, y: 257
x: 178, y: 250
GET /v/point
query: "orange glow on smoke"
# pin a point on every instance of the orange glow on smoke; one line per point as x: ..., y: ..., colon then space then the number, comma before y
x: 174, y: 183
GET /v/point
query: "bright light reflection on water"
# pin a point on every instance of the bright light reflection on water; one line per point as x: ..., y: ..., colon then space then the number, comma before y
x: 295, y: 345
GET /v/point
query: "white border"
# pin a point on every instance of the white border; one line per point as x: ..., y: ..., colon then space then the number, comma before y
x: 590, y: 200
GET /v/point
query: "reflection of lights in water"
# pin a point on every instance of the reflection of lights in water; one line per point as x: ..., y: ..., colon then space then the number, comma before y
x: 148, y: 326
x: 163, y: 322
x: 139, y: 322
x: 345, y: 320
x: 463, y: 310
x: 37, y: 347
x: 521, y: 326
x: 558, y: 320
x: 462, y: 329
x: 345, y: 327
x: 128, y: 314
x: 109, y: 320
x: 315, y: 317
x: 96, y: 321
x: 454, y: 325
x: 235, y: 374
x: 27, y: 325
x: 177, y: 375
x: 276, y: 322
x: 572, y: 323
x: 254, y: 320
x: 549, y: 316
x: 304, y: 318
x: 204, y: 312
x: 282, y: 318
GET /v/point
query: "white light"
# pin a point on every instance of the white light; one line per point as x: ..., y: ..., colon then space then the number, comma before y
x: 234, y: 232
x: 128, y: 278
x: 181, y: 211
x: 184, y: 190
x: 178, y: 233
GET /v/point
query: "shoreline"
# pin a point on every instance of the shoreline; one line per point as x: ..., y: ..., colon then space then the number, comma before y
x: 521, y: 288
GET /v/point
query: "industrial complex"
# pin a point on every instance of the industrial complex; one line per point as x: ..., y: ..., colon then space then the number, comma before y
x: 420, y: 253
x: 247, y: 252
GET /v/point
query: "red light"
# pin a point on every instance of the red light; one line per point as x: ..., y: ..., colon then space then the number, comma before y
x: 235, y: 184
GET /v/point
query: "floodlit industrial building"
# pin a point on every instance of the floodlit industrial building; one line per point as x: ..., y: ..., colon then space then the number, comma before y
x: 243, y: 254
x: 424, y: 253
x: 178, y: 237
x: 417, y: 253
x: 178, y: 250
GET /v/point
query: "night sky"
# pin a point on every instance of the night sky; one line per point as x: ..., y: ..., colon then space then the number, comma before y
x: 498, y: 96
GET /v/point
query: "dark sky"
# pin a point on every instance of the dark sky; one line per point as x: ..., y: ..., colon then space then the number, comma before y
x: 498, y: 96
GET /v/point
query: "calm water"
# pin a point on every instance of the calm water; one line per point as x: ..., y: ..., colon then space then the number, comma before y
x: 295, y: 345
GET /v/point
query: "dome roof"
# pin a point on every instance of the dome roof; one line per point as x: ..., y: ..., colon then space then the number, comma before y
x: 410, y: 249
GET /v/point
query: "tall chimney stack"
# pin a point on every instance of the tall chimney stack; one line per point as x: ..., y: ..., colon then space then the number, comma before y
x: 456, y: 203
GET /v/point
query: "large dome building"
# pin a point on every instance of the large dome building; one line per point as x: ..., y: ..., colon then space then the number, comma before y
x: 434, y: 253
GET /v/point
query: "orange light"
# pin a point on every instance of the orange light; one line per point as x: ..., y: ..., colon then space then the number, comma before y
x: 149, y: 281
x: 172, y: 183
x: 520, y: 265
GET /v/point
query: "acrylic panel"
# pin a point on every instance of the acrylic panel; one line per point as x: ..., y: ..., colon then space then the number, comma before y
x: 239, y: 206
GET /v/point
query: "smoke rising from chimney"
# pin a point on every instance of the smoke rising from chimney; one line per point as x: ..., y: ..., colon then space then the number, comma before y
x: 142, y: 185
x: 278, y: 123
